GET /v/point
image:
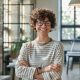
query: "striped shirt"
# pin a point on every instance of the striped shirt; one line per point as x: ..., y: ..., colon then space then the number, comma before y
x: 40, y: 56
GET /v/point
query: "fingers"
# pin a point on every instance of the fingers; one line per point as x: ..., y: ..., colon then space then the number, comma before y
x: 23, y: 63
x: 46, y: 69
x: 52, y: 67
x: 56, y: 67
x: 39, y: 77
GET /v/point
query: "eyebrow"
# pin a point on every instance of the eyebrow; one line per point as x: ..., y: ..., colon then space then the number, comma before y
x: 43, y: 20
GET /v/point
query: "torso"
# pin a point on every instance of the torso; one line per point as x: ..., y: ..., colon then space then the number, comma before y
x: 41, y: 55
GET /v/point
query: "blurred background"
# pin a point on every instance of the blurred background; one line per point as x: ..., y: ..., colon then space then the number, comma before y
x: 15, y: 30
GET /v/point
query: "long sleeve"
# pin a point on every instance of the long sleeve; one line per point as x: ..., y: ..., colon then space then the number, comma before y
x: 21, y: 71
x: 59, y: 55
x: 51, y: 75
x: 58, y: 59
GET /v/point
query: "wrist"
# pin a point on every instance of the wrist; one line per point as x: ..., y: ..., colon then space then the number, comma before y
x: 46, y: 69
x: 39, y: 70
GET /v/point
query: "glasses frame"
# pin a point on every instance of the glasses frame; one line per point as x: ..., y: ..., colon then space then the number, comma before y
x: 40, y: 23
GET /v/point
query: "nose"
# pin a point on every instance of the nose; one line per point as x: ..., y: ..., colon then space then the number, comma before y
x: 44, y: 25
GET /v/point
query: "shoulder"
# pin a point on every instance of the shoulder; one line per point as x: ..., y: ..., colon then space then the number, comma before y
x: 27, y: 44
x: 25, y: 47
x: 57, y: 44
x: 59, y: 47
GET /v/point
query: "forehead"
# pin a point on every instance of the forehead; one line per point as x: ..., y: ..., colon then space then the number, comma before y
x: 45, y: 19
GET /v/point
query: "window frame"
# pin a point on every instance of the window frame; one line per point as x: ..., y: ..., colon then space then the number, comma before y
x: 20, y: 24
x: 74, y: 26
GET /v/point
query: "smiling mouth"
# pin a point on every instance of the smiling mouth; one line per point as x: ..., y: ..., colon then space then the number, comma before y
x: 43, y: 29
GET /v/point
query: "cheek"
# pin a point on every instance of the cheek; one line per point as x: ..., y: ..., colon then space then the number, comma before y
x: 49, y: 29
x: 37, y: 27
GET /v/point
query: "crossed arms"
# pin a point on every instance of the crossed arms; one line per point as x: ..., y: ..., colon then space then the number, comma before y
x: 37, y: 74
x: 23, y: 68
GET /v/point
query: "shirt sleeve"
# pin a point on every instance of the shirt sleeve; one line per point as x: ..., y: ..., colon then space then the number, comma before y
x: 51, y: 76
x: 22, y: 71
x: 59, y: 55
x: 58, y: 59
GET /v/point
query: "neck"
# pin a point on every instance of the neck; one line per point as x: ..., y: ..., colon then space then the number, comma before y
x: 42, y: 40
x: 42, y: 37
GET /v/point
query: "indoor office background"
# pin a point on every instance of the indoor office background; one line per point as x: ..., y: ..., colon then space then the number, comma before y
x: 15, y: 29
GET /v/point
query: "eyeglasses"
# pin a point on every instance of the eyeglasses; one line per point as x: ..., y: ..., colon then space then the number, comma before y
x: 40, y: 23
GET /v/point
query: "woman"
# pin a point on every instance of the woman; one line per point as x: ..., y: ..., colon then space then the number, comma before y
x: 42, y: 58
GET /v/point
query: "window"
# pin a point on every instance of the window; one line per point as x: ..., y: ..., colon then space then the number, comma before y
x: 16, y: 28
x: 70, y: 22
x: 16, y: 19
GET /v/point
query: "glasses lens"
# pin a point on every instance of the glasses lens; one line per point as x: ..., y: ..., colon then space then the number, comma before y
x: 40, y: 23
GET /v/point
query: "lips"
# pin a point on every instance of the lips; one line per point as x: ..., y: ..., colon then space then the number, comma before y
x: 43, y: 29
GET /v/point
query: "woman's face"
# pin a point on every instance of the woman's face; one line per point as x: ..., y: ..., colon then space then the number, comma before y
x: 43, y: 26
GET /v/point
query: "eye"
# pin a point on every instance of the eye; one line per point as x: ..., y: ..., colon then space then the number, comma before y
x: 40, y: 23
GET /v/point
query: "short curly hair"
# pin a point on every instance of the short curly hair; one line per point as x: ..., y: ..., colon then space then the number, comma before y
x: 41, y: 14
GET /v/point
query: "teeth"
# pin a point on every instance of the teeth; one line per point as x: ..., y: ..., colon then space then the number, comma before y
x: 43, y: 29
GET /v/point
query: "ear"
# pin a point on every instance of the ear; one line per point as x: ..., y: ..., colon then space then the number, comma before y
x: 34, y: 26
x: 50, y: 30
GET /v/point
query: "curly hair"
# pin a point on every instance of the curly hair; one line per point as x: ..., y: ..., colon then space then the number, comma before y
x: 41, y: 14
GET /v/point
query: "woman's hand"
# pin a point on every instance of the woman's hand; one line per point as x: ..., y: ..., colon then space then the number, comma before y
x: 23, y: 63
x: 56, y: 67
x: 39, y: 77
x: 46, y: 69
x: 52, y: 67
